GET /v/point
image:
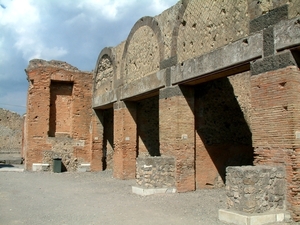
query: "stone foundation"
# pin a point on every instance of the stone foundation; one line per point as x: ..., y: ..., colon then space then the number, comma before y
x: 255, y: 193
x: 155, y: 172
x: 255, y: 189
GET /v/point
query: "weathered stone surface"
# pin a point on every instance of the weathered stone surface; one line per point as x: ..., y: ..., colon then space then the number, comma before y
x: 208, y: 25
x: 252, y: 194
x: 155, y: 172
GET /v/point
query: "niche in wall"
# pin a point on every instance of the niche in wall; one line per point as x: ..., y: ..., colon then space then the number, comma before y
x: 61, y: 104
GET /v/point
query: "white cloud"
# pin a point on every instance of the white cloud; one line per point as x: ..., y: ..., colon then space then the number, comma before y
x: 107, y: 9
x: 68, y: 30
x: 22, y: 18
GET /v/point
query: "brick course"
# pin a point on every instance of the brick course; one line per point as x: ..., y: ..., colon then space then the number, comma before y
x: 275, y: 97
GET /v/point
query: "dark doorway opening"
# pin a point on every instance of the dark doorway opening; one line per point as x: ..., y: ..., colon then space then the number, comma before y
x: 108, y: 138
x: 148, y: 126
x: 223, y: 136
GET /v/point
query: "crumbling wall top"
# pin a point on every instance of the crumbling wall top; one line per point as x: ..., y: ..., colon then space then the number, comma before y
x: 36, y: 63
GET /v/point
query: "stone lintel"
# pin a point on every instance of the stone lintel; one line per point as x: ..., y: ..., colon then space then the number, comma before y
x: 233, y: 54
x: 286, y: 34
x: 144, y: 85
x: 273, y: 62
x: 105, y: 99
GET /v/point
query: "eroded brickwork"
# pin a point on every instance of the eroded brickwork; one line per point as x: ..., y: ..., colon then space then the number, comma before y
x: 176, y: 134
x: 125, y: 147
x: 275, y: 126
x: 58, y: 117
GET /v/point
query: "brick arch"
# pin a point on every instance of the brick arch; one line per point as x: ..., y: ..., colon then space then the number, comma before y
x: 150, y: 23
x: 105, y: 78
x: 179, y: 18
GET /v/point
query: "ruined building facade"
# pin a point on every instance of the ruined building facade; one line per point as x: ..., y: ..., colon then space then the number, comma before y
x: 202, y: 86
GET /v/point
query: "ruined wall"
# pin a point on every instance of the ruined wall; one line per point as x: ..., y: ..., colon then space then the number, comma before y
x: 204, y: 60
x: 275, y: 125
x: 58, y: 117
x: 11, y: 125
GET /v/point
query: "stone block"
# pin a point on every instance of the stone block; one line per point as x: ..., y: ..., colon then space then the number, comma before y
x: 150, y: 191
x: 38, y: 167
x: 84, y: 167
x: 242, y: 218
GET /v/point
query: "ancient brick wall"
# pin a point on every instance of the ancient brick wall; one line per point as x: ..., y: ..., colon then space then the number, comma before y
x: 11, y: 125
x: 58, y: 114
x: 125, y: 140
x: 275, y: 125
x: 177, y: 133
x: 207, y: 83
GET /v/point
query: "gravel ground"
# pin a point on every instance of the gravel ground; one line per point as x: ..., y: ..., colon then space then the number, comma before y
x: 97, y: 198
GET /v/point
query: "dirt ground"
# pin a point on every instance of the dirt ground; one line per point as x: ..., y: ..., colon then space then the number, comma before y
x: 97, y: 198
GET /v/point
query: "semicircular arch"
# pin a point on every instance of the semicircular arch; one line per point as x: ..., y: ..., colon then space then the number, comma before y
x: 143, y: 49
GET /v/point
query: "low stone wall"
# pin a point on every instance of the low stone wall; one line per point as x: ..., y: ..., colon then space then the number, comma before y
x: 255, y: 189
x: 155, y: 172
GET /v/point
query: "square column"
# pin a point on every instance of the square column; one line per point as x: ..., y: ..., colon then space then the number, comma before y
x: 97, y: 141
x: 276, y: 126
x: 177, y: 133
x: 125, y: 140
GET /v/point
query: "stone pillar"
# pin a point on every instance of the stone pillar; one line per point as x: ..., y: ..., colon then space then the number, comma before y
x: 97, y: 141
x: 275, y: 95
x: 177, y: 133
x: 125, y: 140
x: 275, y: 126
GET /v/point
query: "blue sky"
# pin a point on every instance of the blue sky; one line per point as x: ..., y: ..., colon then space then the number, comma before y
x: 74, y: 31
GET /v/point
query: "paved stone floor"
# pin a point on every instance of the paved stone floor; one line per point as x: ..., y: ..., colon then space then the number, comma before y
x: 97, y: 198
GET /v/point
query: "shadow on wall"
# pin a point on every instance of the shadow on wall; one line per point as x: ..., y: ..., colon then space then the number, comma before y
x: 223, y: 137
x: 148, y: 126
